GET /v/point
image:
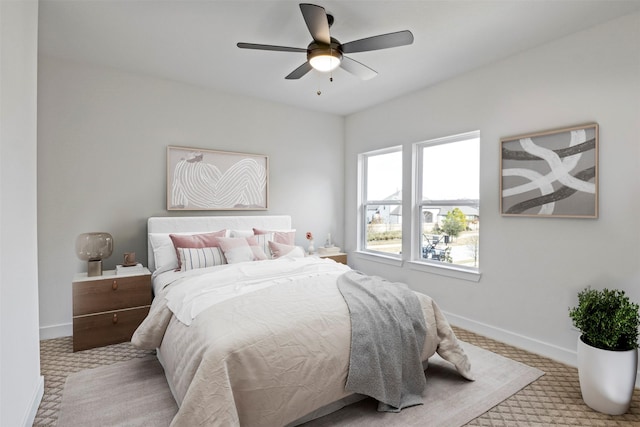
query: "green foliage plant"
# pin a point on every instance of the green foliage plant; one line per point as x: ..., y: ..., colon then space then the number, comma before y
x: 454, y: 223
x: 607, y: 319
x: 384, y: 235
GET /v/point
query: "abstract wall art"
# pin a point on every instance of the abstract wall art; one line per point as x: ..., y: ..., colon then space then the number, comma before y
x: 550, y: 174
x: 200, y: 179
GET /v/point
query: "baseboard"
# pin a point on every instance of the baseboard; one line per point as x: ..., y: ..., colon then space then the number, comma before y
x: 35, y: 403
x: 56, y: 331
x: 562, y: 355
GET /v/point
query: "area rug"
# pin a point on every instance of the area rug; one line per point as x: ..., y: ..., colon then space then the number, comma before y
x: 135, y: 393
x: 131, y: 393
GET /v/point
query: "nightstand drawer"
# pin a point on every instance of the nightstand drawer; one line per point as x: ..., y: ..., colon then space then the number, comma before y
x: 112, y: 293
x: 97, y: 330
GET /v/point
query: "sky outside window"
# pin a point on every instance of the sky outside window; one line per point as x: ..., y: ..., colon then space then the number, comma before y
x: 451, y: 171
x: 384, y: 175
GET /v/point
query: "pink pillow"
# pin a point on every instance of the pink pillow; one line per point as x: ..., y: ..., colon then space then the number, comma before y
x: 195, y: 241
x: 280, y: 250
x: 240, y: 249
x: 285, y: 237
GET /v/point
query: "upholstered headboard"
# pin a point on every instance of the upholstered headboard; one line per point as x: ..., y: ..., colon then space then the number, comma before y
x: 197, y: 224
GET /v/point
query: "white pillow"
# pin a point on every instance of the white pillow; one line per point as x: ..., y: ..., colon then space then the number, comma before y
x: 164, y: 254
x: 192, y: 258
x: 280, y: 250
x: 296, y: 252
x: 241, y: 233
x: 241, y: 249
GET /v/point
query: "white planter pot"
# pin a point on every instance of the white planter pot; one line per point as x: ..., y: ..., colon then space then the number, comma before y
x: 607, y: 378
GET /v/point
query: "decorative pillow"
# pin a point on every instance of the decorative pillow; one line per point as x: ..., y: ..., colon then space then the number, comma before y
x: 241, y: 233
x: 205, y: 240
x: 240, y: 249
x: 164, y: 254
x: 192, y: 258
x: 288, y: 237
x: 280, y: 250
x: 262, y: 241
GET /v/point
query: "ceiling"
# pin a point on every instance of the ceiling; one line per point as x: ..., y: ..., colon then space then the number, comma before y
x: 195, y: 41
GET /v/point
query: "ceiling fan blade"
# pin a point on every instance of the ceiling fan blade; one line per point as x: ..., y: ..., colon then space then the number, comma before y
x: 270, y: 47
x: 317, y: 22
x: 383, y: 41
x: 357, y: 68
x: 299, y: 72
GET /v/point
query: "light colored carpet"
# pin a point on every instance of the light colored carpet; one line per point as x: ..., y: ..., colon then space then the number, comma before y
x: 130, y: 393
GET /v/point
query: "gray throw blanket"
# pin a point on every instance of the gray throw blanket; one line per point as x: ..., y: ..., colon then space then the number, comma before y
x: 387, y: 336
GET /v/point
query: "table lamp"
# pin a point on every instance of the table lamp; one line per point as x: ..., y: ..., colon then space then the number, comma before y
x: 93, y: 248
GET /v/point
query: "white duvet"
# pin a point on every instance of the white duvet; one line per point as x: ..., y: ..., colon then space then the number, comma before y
x: 262, y: 343
x: 233, y: 280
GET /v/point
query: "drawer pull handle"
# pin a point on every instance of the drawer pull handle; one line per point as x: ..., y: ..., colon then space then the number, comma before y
x: 114, y: 286
x: 115, y: 319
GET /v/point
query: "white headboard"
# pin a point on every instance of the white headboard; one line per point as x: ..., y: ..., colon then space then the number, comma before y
x: 185, y: 224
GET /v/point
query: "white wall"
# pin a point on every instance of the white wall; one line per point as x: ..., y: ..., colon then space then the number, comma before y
x: 21, y: 385
x: 532, y: 268
x: 101, y: 153
x: 102, y: 138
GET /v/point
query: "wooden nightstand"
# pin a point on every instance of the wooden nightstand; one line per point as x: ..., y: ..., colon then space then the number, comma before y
x: 107, y: 309
x: 340, y: 257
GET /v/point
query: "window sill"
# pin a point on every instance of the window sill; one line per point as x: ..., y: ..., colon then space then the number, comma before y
x: 377, y: 257
x: 446, y: 270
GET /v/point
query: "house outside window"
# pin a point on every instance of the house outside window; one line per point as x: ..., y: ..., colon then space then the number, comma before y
x: 447, y: 215
x: 381, y: 206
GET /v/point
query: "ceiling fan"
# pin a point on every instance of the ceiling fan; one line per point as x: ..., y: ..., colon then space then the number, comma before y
x: 326, y: 53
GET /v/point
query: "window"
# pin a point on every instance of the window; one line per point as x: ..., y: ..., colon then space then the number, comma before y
x: 381, y: 207
x: 447, y: 215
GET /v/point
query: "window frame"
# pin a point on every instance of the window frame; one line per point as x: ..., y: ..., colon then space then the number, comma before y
x: 417, y: 262
x: 363, y: 202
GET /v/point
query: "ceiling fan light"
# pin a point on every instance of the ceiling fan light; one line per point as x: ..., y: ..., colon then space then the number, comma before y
x: 325, y: 61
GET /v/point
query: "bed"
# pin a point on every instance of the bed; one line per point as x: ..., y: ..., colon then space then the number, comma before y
x: 256, y: 342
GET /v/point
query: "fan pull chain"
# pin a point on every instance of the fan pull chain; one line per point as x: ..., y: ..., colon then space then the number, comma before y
x: 319, y: 92
x: 331, y: 72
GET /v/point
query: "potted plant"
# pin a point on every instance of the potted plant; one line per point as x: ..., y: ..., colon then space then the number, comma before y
x: 607, y: 348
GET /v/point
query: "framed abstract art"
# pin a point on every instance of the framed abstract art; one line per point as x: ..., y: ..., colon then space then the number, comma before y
x: 200, y: 179
x: 550, y: 174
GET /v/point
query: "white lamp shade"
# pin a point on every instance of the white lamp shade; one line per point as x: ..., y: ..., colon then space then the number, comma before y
x: 325, y: 60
